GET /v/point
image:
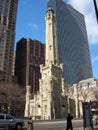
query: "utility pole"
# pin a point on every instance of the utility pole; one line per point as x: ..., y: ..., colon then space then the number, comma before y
x: 96, y: 9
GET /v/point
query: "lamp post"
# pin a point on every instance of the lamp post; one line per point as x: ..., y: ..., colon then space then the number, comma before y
x: 68, y: 94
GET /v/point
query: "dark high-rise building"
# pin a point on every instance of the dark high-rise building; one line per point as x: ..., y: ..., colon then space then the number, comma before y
x: 29, y: 55
x: 72, y: 47
x: 8, y: 12
x: 96, y: 9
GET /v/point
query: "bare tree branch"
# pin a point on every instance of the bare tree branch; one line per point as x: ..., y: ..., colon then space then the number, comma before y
x: 11, y: 93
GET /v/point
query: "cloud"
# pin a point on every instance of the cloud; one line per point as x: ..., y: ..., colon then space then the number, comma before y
x: 34, y: 26
x: 86, y: 7
x: 95, y: 59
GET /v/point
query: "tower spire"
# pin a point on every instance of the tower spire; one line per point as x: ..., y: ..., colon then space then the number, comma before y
x: 50, y: 37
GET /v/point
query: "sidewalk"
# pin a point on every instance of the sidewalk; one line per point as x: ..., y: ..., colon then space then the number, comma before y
x: 81, y: 128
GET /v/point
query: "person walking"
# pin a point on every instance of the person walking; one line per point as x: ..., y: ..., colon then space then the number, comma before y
x: 69, y: 122
x: 30, y: 124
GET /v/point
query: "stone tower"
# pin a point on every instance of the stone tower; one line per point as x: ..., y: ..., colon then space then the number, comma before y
x: 51, y: 81
x: 50, y: 90
x: 47, y: 103
x: 50, y: 55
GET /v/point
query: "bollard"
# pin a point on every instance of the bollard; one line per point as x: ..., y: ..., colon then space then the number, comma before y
x: 30, y: 124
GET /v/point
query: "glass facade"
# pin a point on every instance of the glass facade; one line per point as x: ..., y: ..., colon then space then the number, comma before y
x: 71, y: 42
x: 8, y: 12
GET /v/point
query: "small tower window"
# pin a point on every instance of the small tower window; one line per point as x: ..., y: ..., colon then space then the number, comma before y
x: 49, y: 24
x: 50, y: 47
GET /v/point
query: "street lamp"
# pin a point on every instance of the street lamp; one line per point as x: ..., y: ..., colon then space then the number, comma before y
x: 68, y: 94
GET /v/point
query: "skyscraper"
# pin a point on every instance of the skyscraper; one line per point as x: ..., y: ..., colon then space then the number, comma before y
x: 96, y: 9
x: 29, y: 55
x: 72, y: 47
x: 8, y: 12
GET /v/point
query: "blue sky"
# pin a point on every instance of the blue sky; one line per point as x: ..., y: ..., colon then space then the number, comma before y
x: 31, y: 23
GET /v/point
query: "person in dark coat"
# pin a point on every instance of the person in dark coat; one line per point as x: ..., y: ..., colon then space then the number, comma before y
x: 69, y: 122
x: 30, y: 124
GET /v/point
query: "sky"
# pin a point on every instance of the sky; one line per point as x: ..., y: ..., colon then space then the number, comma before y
x: 30, y: 23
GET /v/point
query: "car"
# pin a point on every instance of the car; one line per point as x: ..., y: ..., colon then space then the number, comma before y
x: 7, y: 120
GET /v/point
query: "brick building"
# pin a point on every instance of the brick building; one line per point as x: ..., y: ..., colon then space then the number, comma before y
x: 29, y: 55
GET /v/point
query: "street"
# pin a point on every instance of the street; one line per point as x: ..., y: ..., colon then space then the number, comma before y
x: 55, y: 125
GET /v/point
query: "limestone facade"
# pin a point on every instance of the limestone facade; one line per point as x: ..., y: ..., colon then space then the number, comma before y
x: 83, y: 91
x: 50, y: 102
x: 27, y: 105
x: 47, y: 104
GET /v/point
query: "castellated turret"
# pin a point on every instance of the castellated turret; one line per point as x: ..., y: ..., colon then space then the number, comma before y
x: 28, y: 97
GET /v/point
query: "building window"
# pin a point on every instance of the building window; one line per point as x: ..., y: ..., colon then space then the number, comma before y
x: 50, y: 47
x: 45, y: 108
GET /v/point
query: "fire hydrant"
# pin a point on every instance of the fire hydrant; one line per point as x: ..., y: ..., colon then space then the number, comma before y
x: 30, y: 124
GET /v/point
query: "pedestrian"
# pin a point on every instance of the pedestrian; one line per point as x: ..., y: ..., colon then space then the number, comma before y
x: 69, y: 122
x: 30, y: 124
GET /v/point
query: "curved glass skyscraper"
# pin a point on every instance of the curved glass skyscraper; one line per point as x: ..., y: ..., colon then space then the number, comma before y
x: 72, y: 43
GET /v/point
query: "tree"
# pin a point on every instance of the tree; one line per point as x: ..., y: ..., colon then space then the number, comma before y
x: 96, y: 95
x: 11, y: 93
x: 84, y: 94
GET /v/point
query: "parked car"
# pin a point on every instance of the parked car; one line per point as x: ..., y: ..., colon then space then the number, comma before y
x: 7, y: 120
